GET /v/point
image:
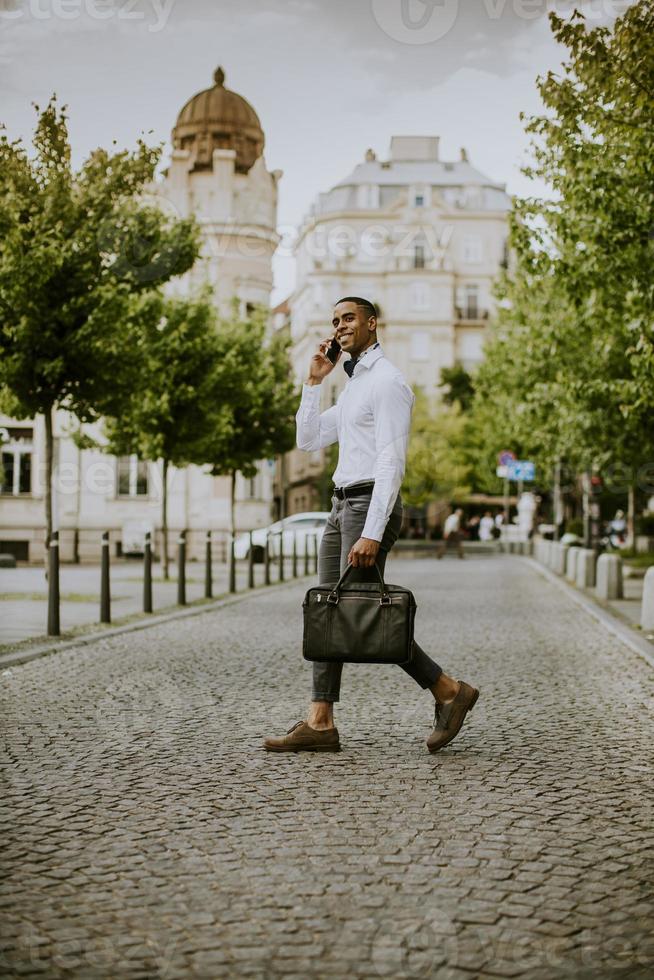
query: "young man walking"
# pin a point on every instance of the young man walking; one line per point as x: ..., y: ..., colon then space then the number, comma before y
x: 371, y: 422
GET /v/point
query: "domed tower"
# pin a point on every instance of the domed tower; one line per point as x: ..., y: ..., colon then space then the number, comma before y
x: 218, y: 173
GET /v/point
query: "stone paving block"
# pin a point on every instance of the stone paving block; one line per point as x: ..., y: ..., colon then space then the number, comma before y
x: 147, y: 831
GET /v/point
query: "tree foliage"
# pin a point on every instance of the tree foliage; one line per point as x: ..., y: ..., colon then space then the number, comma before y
x: 436, y: 465
x: 568, y: 372
x: 80, y: 256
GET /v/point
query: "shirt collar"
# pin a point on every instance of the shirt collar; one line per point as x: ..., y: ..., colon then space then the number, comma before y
x: 368, y: 358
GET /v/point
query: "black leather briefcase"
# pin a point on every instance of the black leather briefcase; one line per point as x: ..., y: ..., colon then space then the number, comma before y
x: 361, y: 622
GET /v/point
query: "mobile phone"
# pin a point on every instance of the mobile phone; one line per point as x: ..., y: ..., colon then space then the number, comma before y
x: 333, y: 350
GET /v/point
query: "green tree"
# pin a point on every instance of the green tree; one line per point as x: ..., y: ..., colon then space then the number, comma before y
x: 80, y: 255
x: 458, y: 386
x: 182, y: 400
x: 568, y: 373
x: 436, y: 465
x: 264, y: 401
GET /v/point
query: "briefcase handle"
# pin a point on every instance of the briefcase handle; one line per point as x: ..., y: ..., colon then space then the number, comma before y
x: 334, y: 595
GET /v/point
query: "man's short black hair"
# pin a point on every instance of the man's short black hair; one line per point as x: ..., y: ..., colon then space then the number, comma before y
x: 370, y: 308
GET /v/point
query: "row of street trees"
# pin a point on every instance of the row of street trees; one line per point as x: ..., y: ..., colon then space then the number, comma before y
x: 85, y: 324
x: 568, y: 375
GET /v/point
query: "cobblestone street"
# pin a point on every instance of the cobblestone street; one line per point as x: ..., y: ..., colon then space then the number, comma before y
x: 146, y: 833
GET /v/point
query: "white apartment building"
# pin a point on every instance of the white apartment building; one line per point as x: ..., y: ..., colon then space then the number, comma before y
x: 421, y: 237
x: 218, y: 172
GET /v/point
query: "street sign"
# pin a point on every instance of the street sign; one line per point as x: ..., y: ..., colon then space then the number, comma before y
x: 502, y: 472
x: 522, y: 469
x: 505, y: 457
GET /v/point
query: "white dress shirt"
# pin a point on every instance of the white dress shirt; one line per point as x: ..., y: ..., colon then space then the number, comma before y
x: 371, y: 422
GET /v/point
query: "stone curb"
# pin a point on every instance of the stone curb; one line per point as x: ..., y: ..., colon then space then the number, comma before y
x: 638, y: 644
x: 35, y: 653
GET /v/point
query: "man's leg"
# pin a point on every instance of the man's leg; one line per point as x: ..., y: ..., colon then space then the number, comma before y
x: 317, y: 733
x: 327, y: 676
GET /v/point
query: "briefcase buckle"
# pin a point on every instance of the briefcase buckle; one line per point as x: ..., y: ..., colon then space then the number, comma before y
x: 332, y: 599
x: 385, y: 600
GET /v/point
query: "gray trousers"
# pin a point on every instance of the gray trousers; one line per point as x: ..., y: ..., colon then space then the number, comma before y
x: 343, y: 529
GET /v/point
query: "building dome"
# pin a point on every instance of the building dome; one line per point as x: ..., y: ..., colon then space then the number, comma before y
x: 218, y: 118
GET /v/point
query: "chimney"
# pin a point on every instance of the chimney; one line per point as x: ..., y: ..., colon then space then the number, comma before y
x: 464, y: 155
x: 370, y: 156
x: 412, y: 149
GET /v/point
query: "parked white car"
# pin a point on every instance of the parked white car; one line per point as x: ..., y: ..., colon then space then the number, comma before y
x: 300, y: 526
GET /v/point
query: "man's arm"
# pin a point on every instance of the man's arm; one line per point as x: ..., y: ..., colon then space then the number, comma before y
x: 313, y: 429
x: 392, y: 405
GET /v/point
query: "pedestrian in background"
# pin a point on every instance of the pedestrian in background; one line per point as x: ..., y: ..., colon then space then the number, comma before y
x: 452, y: 534
x: 486, y: 526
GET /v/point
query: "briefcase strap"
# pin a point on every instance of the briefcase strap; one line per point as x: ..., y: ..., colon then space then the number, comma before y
x: 334, y: 595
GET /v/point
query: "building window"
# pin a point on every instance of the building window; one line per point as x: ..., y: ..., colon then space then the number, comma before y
x: 419, y: 200
x: 418, y: 256
x: 471, y: 302
x: 16, y: 472
x: 419, y: 296
x: 472, y: 249
x: 131, y: 476
x: 419, y: 346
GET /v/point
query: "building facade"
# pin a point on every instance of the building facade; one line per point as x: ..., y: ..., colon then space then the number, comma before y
x: 218, y: 173
x: 421, y: 237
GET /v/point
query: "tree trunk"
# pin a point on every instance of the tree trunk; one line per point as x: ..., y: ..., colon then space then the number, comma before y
x: 49, y: 455
x: 232, y: 504
x: 631, y: 518
x: 164, y: 521
x: 557, y: 509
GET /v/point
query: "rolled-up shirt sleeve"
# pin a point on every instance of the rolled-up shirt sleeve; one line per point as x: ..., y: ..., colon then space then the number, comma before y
x: 315, y: 429
x: 393, y: 403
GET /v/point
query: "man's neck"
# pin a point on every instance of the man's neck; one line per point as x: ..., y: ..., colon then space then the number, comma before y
x: 358, y: 354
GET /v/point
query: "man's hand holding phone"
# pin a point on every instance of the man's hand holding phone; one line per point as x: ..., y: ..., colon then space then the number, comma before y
x: 323, y: 360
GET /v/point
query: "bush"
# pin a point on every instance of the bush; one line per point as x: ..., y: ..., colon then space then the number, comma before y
x: 575, y: 527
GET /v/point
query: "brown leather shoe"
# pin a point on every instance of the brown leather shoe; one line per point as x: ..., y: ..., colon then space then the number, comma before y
x: 448, y: 718
x: 302, y: 738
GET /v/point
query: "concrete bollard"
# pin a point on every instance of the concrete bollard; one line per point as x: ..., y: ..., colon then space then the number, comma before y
x: 528, y: 547
x: 559, y: 557
x: 647, y: 608
x: 550, y: 553
x: 609, y: 577
x: 585, y: 577
x: 571, y: 563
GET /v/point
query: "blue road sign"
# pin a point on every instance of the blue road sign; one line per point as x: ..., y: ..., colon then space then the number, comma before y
x: 522, y: 469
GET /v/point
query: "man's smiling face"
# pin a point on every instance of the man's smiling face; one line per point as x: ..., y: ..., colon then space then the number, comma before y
x: 355, y: 330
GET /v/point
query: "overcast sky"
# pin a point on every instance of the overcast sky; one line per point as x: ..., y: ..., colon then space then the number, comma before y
x: 328, y: 78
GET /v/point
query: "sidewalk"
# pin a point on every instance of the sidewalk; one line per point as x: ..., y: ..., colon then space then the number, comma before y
x: 24, y: 593
x: 147, y: 835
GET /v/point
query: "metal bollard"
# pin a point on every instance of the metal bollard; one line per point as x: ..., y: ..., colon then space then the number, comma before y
x: 181, y: 569
x: 232, y: 565
x: 294, y: 554
x: 315, y: 554
x: 208, y: 570
x: 251, y: 564
x: 266, y: 560
x: 53, y: 585
x: 147, y: 574
x: 281, y: 556
x: 306, y: 554
x: 105, y: 590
